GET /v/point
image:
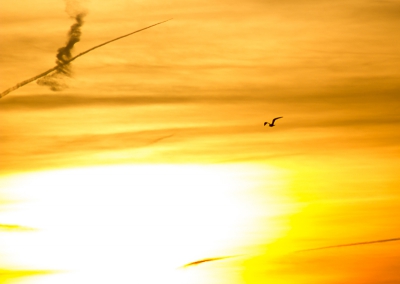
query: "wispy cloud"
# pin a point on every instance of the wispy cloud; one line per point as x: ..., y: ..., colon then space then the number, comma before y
x: 17, y: 228
x: 9, y: 275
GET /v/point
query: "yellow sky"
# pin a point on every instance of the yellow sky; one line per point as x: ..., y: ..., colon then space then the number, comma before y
x: 196, y: 91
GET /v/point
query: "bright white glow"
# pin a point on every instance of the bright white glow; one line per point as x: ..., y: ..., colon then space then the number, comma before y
x: 136, y: 224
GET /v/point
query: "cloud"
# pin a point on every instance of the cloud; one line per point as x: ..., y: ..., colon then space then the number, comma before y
x: 101, y: 142
x: 18, y: 228
x: 7, y: 275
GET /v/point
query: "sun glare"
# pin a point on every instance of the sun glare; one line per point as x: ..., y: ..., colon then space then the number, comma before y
x: 136, y: 224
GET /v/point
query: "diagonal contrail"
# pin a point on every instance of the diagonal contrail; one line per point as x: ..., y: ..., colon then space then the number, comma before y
x: 304, y: 250
x: 206, y: 260
x: 72, y: 59
x: 352, y: 244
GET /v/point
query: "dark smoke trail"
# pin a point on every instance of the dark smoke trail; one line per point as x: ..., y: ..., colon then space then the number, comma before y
x: 353, y: 244
x: 19, y: 85
x: 55, y: 80
x: 64, y: 53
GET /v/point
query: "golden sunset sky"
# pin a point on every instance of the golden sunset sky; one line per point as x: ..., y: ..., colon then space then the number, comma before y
x: 156, y: 156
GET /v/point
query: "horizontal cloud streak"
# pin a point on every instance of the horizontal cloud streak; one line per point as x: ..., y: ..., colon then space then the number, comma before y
x: 8, y: 275
x: 11, y: 228
x: 362, y: 92
x: 353, y: 244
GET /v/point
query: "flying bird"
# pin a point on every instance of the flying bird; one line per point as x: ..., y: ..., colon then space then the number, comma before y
x: 273, y: 121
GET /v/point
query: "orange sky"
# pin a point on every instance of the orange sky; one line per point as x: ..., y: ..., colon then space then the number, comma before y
x: 196, y: 91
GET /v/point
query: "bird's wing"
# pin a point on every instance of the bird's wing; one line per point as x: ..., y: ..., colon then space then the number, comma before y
x: 276, y: 119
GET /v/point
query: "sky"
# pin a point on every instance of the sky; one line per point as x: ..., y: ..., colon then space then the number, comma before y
x: 155, y: 153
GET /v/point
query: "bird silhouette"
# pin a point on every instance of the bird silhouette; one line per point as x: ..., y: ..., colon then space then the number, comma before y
x: 273, y: 121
